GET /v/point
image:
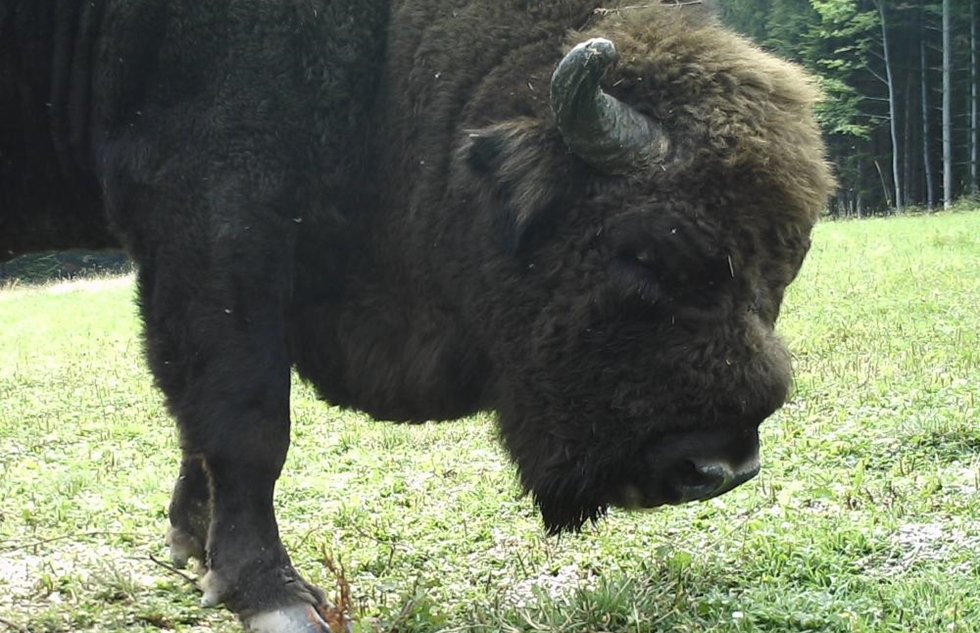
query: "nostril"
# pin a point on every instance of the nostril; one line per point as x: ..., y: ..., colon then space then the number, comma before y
x: 701, y: 479
x: 700, y: 465
x: 691, y: 474
x: 713, y: 471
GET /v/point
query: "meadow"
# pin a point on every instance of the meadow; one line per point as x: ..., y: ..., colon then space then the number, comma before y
x: 865, y: 518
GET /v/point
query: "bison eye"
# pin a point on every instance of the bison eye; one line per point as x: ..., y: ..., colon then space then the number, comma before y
x: 637, y: 274
x: 645, y: 259
x: 642, y: 262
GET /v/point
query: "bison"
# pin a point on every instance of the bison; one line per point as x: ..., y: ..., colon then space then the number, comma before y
x: 581, y: 218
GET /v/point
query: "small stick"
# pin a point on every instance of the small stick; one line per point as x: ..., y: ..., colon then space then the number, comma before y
x: 63, y: 537
x: 338, y: 616
x: 13, y: 627
x: 173, y: 570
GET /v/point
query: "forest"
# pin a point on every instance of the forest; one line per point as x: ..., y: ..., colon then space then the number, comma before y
x: 900, y: 93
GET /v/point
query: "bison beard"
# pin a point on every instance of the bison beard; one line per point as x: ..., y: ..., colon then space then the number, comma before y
x: 564, y: 510
x: 428, y: 208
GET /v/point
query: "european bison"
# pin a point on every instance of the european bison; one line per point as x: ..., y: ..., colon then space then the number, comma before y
x: 580, y: 218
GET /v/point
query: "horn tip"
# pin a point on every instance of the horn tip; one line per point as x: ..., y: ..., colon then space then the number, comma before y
x: 598, y: 47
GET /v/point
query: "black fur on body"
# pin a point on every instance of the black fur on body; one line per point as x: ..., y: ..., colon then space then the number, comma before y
x: 378, y: 194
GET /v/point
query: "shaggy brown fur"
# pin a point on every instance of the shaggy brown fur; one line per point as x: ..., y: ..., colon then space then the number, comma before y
x: 380, y: 196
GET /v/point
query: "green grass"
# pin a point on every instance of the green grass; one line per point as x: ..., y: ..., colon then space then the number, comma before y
x: 866, y: 516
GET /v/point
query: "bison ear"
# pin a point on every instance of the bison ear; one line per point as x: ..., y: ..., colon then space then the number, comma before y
x: 523, y: 171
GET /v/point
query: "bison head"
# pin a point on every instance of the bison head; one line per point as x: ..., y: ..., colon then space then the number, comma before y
x: 651, y: 219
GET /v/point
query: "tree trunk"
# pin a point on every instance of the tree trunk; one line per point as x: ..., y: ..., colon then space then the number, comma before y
x: 884, y: 184
x: 908, y: 160
x: 947, y: 105
x: 924, y: 84
x: 892, y: 105
x: 974, y: 183
x: 858, y: 200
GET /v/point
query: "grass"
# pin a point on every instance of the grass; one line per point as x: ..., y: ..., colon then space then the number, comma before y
x: 866, y: 517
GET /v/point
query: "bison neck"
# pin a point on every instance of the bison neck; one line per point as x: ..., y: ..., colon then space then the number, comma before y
x: 378, y: 338
x: 401, y: 330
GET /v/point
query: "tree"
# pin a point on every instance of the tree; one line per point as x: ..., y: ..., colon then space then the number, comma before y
x: 974, y: 182
x: 889, y: 81
x: 887, y: 95
x: 947, y: 105
x: 924, y: 118
x: 836, y: 45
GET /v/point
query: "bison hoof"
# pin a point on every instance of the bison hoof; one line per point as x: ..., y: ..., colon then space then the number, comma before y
x: 184, y: 547
x: 300, y: 618
x: 304, y: 608
x: 213, y: 589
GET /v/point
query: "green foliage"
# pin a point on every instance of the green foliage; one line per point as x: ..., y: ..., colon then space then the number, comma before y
x: 842, y: 43
x: 865, y: 518
x: 837, y: 113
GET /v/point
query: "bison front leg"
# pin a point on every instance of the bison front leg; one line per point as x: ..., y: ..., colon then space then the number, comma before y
x: 212, y: 294
x: 190, y: 513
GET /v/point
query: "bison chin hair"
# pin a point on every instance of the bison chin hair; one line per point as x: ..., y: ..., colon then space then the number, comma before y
x: 569, y: 478
x: 563, y: 512
x: 567, y: 495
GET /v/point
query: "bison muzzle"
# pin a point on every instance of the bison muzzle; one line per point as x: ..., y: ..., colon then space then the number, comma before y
x: 582, y: 219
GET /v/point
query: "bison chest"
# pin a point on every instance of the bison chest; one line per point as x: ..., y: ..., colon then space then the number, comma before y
x: 394, y: 358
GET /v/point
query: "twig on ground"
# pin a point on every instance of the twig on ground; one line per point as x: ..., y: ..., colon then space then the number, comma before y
x: 13, y: 627
x: 174, y: 570
x: 64, y: 537
x: 338, y: 615
x: 387, y: 542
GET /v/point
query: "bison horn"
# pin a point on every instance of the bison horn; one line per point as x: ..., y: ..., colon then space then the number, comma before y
x: 601, y: 130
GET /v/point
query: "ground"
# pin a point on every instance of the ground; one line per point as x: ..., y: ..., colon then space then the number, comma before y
x: 866, y: 516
